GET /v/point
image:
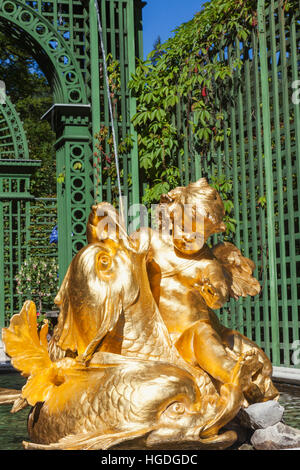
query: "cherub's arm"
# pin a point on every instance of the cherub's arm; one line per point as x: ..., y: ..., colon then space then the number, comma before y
x: 153, y: 269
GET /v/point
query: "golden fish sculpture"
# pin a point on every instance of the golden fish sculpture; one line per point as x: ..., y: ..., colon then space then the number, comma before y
x: 113, y: 400
x: 121, y: 377
x: 121, y: 369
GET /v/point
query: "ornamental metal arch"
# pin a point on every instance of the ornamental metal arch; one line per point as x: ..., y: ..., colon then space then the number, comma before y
x: 33, y: 27
x: 63, y: 38
x: 16, y: 169
x: 48, y: 47
x: 13, y: 142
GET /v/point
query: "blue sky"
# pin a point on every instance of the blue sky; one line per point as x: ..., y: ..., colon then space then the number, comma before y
x: 161, y: 17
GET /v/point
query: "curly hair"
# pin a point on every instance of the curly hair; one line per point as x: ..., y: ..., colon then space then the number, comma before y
x: 200, y: 195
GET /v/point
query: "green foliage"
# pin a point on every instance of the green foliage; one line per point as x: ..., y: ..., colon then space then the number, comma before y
x: 171, y: 177
x: 262, y: 201
x: 37, y: 280
x: 185, y: 87
x: 18, y: 70
x: 184, y: 79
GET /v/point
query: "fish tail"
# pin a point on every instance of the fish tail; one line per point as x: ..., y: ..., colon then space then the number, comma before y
x: 28, y: 350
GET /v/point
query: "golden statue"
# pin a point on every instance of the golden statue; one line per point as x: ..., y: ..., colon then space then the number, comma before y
x: 138, y: 358
x: 188, y: 280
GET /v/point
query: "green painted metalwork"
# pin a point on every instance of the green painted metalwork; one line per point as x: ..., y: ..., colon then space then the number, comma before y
x: 25, y: 229
x: 43, y: 218
x: 14, y: 210
x: 261, y: 157
x: 45, y: 39
x: 122, y: 29
x: 13, y: 142
x: 15, y: 172
x: 281, y: 119
x: 269, y: 180
x: 132, y: 54
x: 62, y: 37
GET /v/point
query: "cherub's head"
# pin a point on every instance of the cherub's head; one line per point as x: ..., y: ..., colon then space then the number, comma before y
x: 196, y: 212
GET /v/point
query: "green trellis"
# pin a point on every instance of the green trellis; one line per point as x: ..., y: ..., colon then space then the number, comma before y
x: 15, y: 171
x: 13, y: 142
x: 261, y: 155
x: 62, y: 37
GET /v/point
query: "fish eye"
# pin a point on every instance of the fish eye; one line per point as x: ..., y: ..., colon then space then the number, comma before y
x: 103, y: 261
x: 176, y: 409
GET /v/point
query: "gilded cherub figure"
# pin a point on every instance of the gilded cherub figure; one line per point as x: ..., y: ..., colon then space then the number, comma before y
x: 138, y: 353
x: 189, y: 280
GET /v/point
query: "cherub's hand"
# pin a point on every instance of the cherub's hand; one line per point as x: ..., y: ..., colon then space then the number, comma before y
x: 214, y: 296
x: 212, y: 285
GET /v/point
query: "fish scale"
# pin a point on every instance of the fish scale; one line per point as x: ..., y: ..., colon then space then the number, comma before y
x: 140, y: 331
x: 154, y: 342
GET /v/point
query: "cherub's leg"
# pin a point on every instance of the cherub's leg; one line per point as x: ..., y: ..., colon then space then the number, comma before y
x: 240, y: 344
x: 201, y: 345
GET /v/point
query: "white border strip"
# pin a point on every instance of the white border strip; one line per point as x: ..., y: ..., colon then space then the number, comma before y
x: 286, y: 375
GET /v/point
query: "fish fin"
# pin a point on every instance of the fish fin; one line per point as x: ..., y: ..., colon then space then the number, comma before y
x: 90, y: 441
x: 27, y: 348
x: 19, y: 404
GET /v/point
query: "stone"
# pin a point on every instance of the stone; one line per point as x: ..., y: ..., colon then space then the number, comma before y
x: 277, y: 437
x: 261, y: 415
x: 3, y: 357
x: 246, y: 447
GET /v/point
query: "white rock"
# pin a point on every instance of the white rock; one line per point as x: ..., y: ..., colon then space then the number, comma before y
x: 261, y: 415
x: 277, y: 437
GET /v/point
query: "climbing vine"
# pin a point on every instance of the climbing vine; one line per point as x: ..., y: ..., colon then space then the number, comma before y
x: 182, y: 101
x: 189, y: 74
x: 181, y: 90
